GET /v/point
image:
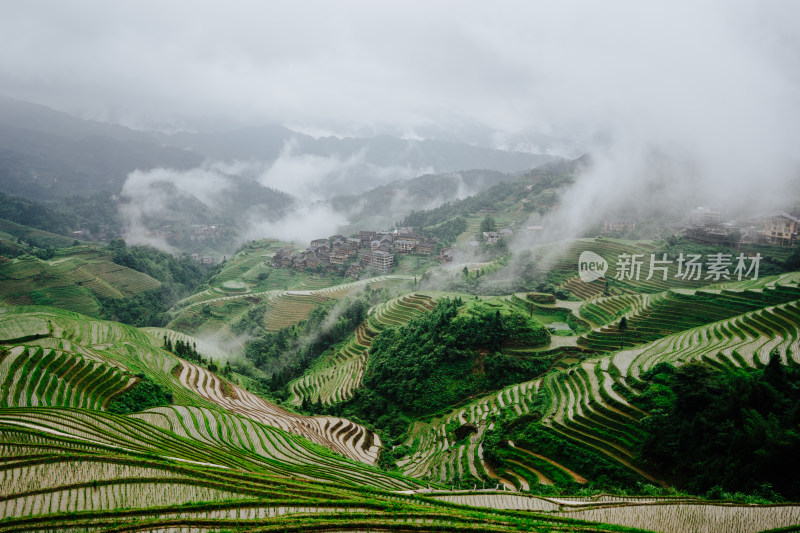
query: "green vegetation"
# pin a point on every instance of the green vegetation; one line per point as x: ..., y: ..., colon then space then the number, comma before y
x: 284, y: 355
x: 144, y: 309
x: 487, y: 224
x: 144, y: 395
x: 335, y: 377
x: 733, y: 430
x: 536, y: 187
x: 452, y: 352
x: 181, y: 272
x: 447, y: 232
x: 641, y: 387
x: 75, y: 279
x: 178, y: 276
x: 528, y: 433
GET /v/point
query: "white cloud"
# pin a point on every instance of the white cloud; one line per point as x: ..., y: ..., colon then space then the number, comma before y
x: 304, y: 224
x: 313, y: 177
x: 711, y: 84
x: 152, y: 195
x: 306, y: 175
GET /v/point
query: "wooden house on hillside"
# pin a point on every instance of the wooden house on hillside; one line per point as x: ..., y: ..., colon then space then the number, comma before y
x: 782, y: 229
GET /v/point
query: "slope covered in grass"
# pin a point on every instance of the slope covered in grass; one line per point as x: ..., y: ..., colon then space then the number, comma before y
x: 73, y: 281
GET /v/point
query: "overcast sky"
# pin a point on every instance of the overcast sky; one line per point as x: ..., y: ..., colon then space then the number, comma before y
x: 708, y: 89
x: 508, y: 66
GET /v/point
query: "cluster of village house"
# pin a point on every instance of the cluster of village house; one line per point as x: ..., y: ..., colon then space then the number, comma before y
x: 377, y: 248
x: 372, y: 248
x: 706, y: 227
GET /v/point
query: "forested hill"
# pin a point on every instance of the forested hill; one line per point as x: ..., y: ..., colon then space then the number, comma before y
x: 534, y: 191
x: 390, y: 202
x: 48, y: 155
x: 72, y: 214
x: 451, y: 353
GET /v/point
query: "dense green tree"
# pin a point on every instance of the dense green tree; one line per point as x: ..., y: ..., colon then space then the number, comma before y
x: 179, y: 276
x: 737, y: 430
x: 488, y: 224
x: 144, y: 395
x: 450, y: 353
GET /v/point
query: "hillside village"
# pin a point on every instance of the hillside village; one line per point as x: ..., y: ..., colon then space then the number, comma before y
x: 374, y: 249
x: 705, y: 225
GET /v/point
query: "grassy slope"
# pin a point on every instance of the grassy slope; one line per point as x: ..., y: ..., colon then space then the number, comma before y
x: 71, y: 280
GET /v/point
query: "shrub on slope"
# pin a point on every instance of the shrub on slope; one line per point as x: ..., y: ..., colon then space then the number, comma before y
x: 144, y: 395
x: 178, y: 275
x: 451, y: 353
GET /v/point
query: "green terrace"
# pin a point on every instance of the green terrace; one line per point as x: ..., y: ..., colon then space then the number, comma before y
x: 672, y: 312
x: 73, y: 282
x: 104, y: 358
x: 567, y: 416
x: 562, y: 259
x: 334, y: 378
x: 32, y: 376
x: 72, y: 469
x: 212, y: 314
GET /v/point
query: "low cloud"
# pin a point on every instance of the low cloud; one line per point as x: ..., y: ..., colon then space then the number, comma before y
x: 155, y: 195
x: 639, y: 181
x: 308, y: 222
x: 313, y: 177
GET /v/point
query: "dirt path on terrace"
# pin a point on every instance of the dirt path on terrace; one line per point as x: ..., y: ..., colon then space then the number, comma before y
x: 574, y: 475
x: 543, y: 480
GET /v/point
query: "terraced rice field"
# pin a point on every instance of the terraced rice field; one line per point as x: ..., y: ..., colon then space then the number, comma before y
x: 584, y: 405
x: 439, y: 456
x: 335, y: 378
x: 654, y: 316
x: 189, y: 469
x: 278, y: 451
x: 92, y: 360
x: 664, y: 514
x: 563, y: 256
x: 340, y: 435
x: 32, y: 376
x: 291, y: 307
x: 220, y: 458
x: 208, y: 315
x: 69, y: 282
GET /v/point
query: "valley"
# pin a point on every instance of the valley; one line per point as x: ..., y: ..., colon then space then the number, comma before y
x: 542, y: 429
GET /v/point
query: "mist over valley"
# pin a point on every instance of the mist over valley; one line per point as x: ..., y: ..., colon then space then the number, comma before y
x: 399, y: 266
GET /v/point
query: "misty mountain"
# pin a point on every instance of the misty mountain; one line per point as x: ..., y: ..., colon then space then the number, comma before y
x: 534, y: 192
x: 245, y: 180
x: 48, y: 155
x: 43, y: 119
x: 267, y: 142
x: 383, y: 205
x: 442, y: 156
